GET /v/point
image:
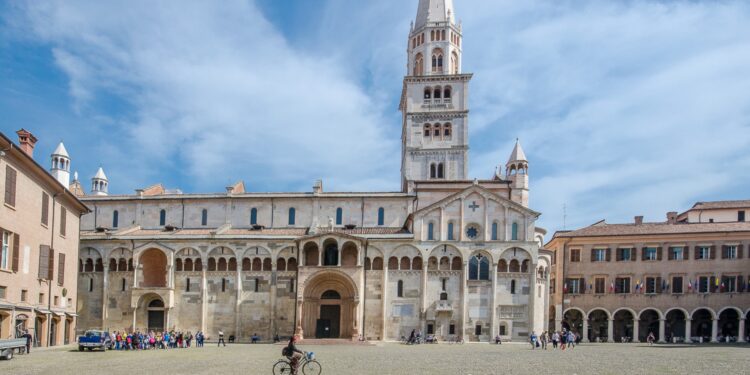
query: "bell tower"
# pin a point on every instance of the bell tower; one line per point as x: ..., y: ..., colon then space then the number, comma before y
x: 434, y: 98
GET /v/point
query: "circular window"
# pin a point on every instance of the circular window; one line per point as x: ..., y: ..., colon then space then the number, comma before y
x: 472, y: 231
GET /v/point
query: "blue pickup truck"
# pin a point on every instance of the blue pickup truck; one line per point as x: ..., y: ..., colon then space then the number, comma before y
x: 93, y: 339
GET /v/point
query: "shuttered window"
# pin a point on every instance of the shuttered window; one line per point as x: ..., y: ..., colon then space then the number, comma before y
x: 61, y: 269
x: 45, y: 208
x: 63, y: 216
x: 5, y: 249
x: 43, y: 261
x: 16, y: 252
x: 10, y: 186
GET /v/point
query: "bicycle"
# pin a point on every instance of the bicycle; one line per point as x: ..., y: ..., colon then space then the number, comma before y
x: 308, y: 364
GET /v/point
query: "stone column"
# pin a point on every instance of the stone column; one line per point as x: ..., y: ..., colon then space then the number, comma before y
x: 298, y: 329
x: 238, y: 299
x: 688, y: 329
x: 585, y: 333
x: 636, y: 329
x: 464, y: 292
x: 204, y: 300
x: 272, y: 297
x: 741, y: 336
x: 384, y: 300
x: 558, y: 324
x: 167, y: 319
x: 493, y: 306
x: 662, y: 328
x: 105, y: 296
x: 423, y: 299
x: 532, y: 296
x: 714, y: 329
x: 611, y: 330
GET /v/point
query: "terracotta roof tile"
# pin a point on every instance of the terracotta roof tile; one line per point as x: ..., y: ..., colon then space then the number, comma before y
x: 366, y: 230
x: 721, y: 204
x: 605, y: 229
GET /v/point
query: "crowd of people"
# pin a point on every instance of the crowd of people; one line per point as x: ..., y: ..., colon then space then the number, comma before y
x: 562, y: 339
x: 155, y: 340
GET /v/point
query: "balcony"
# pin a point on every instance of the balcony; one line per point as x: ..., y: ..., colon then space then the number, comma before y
x: 443, y: 306
x: 446, y: 103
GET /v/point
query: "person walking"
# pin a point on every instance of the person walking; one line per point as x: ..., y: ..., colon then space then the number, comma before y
x: 555, y: 339
x: 27, y: 336
x: 221, y: 338
x: 532, y: 339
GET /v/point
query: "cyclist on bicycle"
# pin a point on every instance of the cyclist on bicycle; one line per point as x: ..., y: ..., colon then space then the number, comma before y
x: 293, y: 354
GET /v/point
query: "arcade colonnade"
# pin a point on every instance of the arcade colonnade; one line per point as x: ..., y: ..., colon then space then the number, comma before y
x: 701, y: 324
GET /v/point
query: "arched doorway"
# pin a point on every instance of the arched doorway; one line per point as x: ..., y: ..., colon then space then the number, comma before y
x: 551, y: 319
x: 154, y: 263
x: 623, y: 325
x: 573, y: 320
x: 701, y: 324
x: 330, y: 252
x: 53, y: 331
x: 729, y: 320
x: 329, y: 306
x: 674, y: 325
x: 598, y: 326
x: 648, y: 324
x: 155, y: 311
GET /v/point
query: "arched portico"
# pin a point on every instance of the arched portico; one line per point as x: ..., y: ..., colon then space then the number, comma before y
x: 329, y: 306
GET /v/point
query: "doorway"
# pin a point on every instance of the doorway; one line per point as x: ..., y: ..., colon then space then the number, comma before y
x: 328, y: 326
x: 156, y: 315
x: 53, y: 333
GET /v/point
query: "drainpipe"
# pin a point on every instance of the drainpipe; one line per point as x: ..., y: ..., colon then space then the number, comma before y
x: 296, y: 288
x: 49, y: 281
x: 364, y: 294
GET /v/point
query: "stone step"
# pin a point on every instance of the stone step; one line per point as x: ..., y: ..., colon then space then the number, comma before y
x: 333, y: 342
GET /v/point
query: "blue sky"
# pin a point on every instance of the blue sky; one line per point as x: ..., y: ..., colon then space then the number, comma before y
x: 623, y: 107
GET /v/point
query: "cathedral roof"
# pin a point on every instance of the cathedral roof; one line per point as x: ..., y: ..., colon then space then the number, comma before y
x: 434, y: 11
x: 517, y: 154
x: 61, y: 151
x: 99, y: 173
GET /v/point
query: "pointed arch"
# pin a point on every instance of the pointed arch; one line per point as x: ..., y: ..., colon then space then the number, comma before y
x: 418, y: 64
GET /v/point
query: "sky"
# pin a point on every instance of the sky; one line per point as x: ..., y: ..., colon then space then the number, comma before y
x: 624, y: 108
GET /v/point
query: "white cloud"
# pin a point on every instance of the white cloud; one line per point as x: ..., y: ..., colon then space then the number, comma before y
x: 624, y: 108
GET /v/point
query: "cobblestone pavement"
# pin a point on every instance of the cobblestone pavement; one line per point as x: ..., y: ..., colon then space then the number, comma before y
x: 392, y: 358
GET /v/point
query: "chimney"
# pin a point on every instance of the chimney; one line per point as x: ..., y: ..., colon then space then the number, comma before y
x: 671, y: 217
x: 27, y: 142
x: 318, y: 187
x: 638, y: 220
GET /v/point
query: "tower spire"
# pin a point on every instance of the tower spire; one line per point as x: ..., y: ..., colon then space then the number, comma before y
x: 434, y: 11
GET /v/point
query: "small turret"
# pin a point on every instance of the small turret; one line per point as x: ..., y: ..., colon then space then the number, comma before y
x: 99, y: 183
x: 517, y: 172
x: 60, y: 168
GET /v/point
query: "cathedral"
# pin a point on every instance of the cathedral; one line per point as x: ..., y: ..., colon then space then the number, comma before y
x: 448, y: 255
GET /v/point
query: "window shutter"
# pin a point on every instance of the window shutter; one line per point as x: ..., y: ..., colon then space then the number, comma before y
x: 670, y: 255
x: 609, y: 254
x: 1, y: 239
x: 697, y: 252
x: 10, y: 186
x: 632, y: 254
x: 686, y: 252
x: 712, y: 286
x: 740, y: 250
x: 16, y: 252
x: 643, y: 253
x: 51, y: 265
x: 713, y: 251
x: 45, y: 208
x: 593, y: 257
x: 658, y: 285
x: 43, y: 262
x: 63, y: 216
x: 724, y: 250
x: 61, y: 269
x: 582, y: 286
x: 658, y: 253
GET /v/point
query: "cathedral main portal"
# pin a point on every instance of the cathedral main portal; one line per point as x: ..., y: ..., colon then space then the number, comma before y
x: 329, y: 306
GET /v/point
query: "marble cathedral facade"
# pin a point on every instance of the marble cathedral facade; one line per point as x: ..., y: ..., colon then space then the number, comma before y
x: 447, y: 255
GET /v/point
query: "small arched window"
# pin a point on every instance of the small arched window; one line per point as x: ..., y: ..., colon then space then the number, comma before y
x: 513, y: 287
x: 433, y: 171
x: 381, y: 216
x: 479, y: 268
x: 432, y: 35
x: 447, y: 130
x: 292, y: 213
x: 437, y: 94
x: 253, y: 216
x: 339, y: 216
x: 440, y: 172
x: 115, y: 219
x: 454, y: 63
x: 447, y: 92
x: 418, y: 65
x: 450, y: 231
x: 514, y: 232
x: 163, y: 217
x: 204, y: 217
x: 442, y: 34
x: 427, y: 93
x: 494, y: 231
x: 430, y: 232
x: 400, y: 288
x: 427, y: 130
x: 436, y: 131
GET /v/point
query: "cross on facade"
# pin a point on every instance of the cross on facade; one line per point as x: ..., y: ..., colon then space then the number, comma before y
x: 474, y: 206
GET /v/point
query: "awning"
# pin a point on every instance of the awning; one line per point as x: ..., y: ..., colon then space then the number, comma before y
x: 40, y: 311
x: 58, y: 313
x: 6, y: 307
x: 71, y: 314
x: 25, y: 308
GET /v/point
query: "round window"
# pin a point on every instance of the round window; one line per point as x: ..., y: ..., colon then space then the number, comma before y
x: 472, y: 231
